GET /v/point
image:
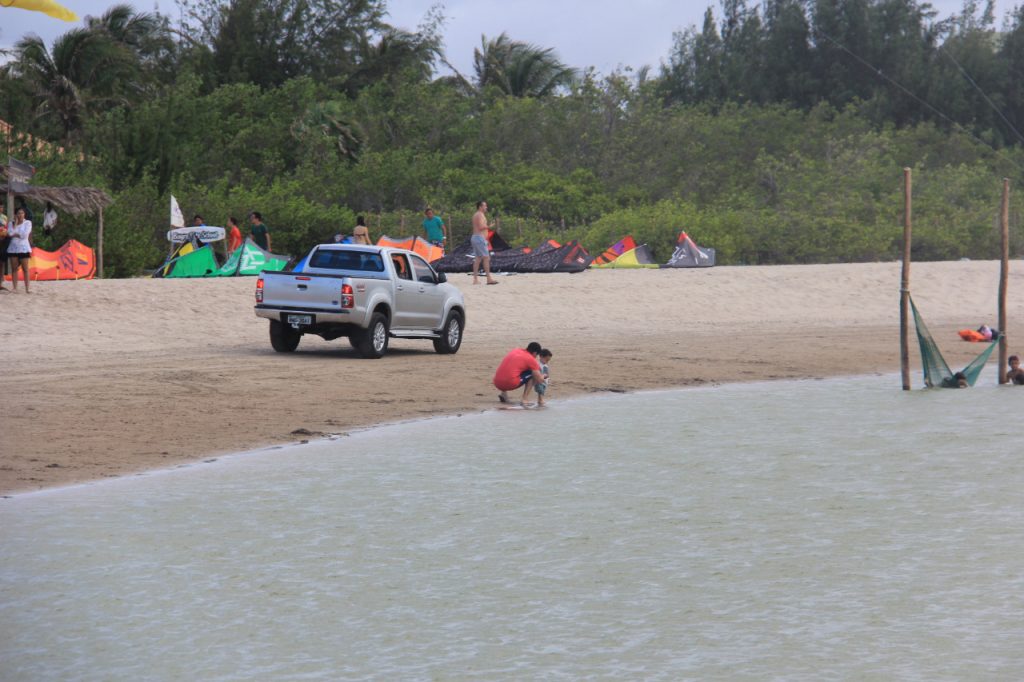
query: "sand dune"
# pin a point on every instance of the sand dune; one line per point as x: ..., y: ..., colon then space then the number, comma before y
x: 104, y: 378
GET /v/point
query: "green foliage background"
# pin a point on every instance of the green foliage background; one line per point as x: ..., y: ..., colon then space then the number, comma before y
x: 790, y: 165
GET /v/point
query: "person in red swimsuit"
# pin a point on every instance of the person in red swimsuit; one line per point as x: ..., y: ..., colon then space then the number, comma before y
x: 519, y: 368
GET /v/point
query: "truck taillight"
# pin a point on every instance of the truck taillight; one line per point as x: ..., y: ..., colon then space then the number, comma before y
x: 259, y: 290
x: 347, y: 299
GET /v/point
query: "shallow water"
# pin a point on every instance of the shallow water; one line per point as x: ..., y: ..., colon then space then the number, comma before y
x: 838, y: 529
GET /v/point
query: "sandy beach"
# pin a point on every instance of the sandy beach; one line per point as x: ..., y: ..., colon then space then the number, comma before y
x: 104, y: 378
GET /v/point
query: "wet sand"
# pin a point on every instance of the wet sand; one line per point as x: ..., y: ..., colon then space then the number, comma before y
x: 110, y: 377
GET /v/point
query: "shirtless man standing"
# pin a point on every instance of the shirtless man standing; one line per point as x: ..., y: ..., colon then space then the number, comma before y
x: 481, y: 252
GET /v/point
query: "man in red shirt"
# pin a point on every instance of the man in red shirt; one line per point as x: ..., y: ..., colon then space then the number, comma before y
x: 519, y: 368
x: 234, y: 235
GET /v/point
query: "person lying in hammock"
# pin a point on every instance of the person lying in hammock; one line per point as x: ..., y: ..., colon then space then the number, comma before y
x: 958, y: 380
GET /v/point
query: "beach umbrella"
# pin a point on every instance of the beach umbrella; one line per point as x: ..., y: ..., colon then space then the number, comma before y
x: 45, y: 6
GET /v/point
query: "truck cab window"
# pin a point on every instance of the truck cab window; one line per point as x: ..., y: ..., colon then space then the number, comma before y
x: 423, y: 271
x: 401, y: 267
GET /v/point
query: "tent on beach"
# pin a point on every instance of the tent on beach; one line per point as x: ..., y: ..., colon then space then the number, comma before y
x: 638, y: 257
x: 73, y: 260
x: 688, y: 255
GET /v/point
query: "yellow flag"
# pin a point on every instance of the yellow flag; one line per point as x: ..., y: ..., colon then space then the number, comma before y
x: 45, y: 6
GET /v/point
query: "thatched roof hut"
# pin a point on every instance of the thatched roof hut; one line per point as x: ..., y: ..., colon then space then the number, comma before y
x: 74, y: 200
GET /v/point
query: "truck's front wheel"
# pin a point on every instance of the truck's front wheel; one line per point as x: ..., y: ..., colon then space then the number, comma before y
x: 283, y: 338
x: 451, y: 335
x: 373, y: 342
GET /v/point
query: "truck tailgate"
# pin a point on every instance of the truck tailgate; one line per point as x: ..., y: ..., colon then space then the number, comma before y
x: 302, y: 292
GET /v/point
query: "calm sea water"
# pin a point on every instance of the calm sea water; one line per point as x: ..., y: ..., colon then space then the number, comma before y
x: 838, y: 529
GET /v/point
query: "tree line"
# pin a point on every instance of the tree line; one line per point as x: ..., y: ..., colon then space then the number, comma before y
x: 775, y: 132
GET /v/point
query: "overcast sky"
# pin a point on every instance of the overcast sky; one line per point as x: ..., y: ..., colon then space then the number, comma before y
x: 599, y: 33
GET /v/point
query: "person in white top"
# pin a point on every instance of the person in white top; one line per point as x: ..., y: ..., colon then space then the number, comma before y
x: 20, y: 250
x: 49, y: 219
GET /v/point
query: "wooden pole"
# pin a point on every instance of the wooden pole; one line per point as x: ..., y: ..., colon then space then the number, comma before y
x: 1004, y: 272
x: 99, y: 244
x: 905, y: 284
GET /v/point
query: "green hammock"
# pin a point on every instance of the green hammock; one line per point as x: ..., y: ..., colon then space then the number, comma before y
x: 936, y: 371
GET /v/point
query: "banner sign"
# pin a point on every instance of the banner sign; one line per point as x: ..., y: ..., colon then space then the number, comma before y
x: 19, y: 174
x: 203, y: 233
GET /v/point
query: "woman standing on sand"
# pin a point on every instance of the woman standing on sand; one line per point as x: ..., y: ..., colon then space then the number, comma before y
x: 361, y: 233
x: 5, y: 241
x: 19, y: 251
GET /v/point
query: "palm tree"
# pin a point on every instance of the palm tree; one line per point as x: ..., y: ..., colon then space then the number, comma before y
x: 397, y: 55
x: 85, y: 67
x: 60, y: 79
x: 519, y: 69
x: 126, y: 26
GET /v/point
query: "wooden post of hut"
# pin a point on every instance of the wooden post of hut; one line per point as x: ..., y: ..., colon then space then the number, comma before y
x: 905, y: 284
x: 1004, y: 220
x: 99, y: 244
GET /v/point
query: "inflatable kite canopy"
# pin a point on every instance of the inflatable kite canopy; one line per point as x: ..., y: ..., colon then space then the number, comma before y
x: 418, y: 245
x: 248, y: 259
x: 45, y: 6
x: 620, y: 247
x: 689, y: 255
x: 550, y: 256
x: 73, y: 260
x: 638, y: 257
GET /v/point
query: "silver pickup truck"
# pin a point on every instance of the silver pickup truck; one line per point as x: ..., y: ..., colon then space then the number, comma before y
x: 366, y: 293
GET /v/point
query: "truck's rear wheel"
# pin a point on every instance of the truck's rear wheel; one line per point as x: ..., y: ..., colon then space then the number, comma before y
x: 283, y: 338
x: 451, y: 335
x: 373, y: 342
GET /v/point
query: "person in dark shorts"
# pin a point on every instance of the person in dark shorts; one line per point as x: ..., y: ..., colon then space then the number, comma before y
x: 5, y: 241
x: 19, y: 251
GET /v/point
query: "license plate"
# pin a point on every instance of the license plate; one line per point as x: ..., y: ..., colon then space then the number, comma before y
x: 299, y: 320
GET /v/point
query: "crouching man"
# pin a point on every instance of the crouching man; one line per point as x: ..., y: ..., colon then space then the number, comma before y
x: 519, y: 368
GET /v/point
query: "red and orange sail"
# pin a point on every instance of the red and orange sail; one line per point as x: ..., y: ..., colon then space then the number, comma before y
x: 73, y: 260
x: 615, y: 250
x: 418, y: 245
